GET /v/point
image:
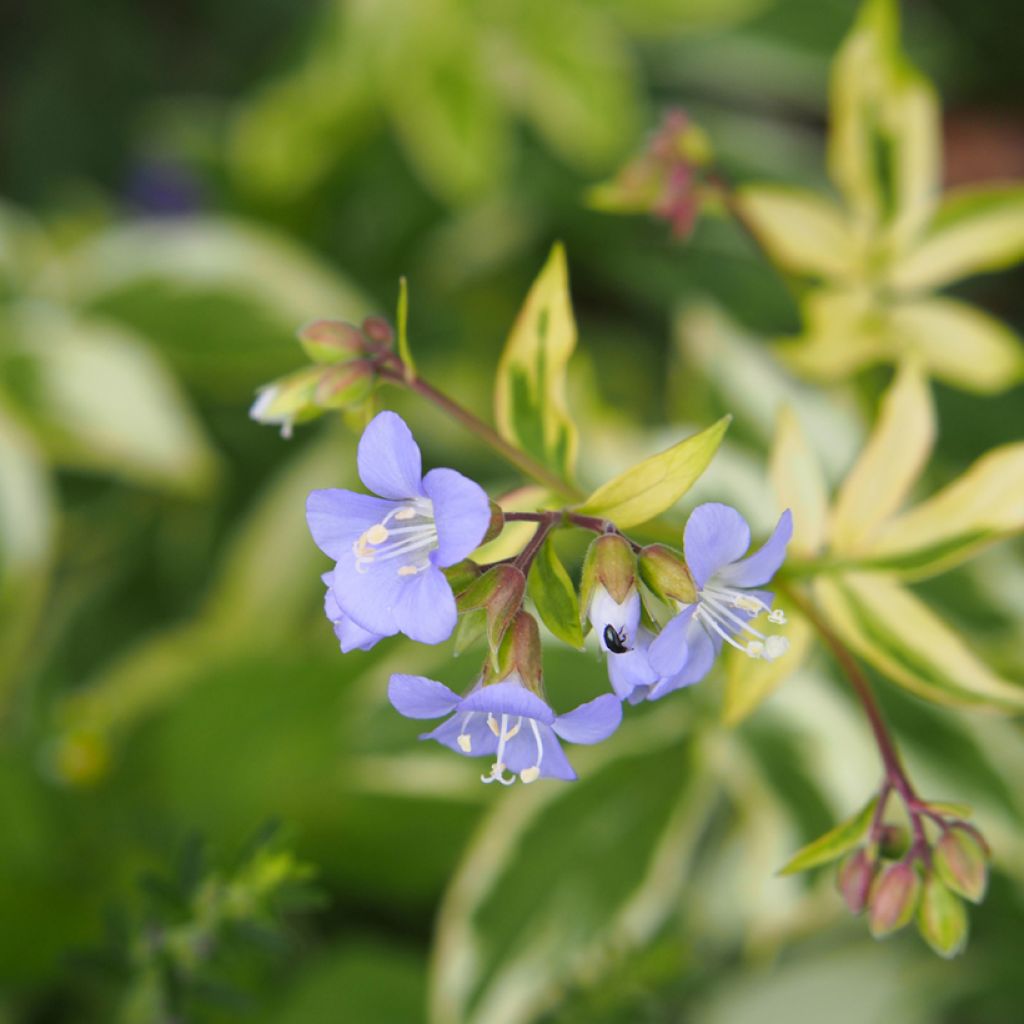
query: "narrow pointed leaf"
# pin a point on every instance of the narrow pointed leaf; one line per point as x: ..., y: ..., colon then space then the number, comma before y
x: 402, y: 327
x: 890, y: 464
x: 529, y: 398
x: 907, y: 642
x: 554, y: 595
x: 801, y: 231
x: 799, y: 484
x: 833, y: 844
x: 975, y: 229
x: 656, y: 484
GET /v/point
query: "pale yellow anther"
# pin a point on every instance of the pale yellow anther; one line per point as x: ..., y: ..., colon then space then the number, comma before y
x: 493, y: 725
x: 529, y: 775
x: 746, y: 603
x: 778, y: 617
x: 755, y: 648
x: 408, y: 570
x: 514, y: 730
x: 465, y: 743
x: 777, y: 646
x: 405, y: 513
x: 376, y: 534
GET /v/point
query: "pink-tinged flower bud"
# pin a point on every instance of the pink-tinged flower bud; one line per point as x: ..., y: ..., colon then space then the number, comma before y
x: 377, y: 329
x: 520, y: 653
x: 497, y: 523
x: 961, y: 863
x: 343, y: 386
x: 332, y: 341
x: 499, y: 591
x: 854, y: 879
x: 665, y: 572
x: 609, y: 563
x: 289, y: 400
x: 893, y: 899
x: 461, y: 575
x: 941, y: 918
x: 893, y: 841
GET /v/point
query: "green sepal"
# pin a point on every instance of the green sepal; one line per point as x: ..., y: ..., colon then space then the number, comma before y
x: 520, y: 652
x: 832, y: 845
x: 332, y: 341
x: 462, y: 575
x: 554, y: 595
x: 500, y: 592
x: 942, y: 918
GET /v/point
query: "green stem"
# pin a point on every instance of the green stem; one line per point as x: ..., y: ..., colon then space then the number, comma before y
x: 391, y: 368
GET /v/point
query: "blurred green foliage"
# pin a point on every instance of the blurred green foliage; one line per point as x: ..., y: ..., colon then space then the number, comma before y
x: 181, y: 189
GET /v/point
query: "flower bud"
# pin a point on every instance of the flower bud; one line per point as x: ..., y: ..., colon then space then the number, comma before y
x: 893, y: 841
x: 893, y: 899
x: 461, y: 575
x: 500, y: 592
x: 941, y: 918
x: 497, y: 523
x: 377, y: 329
x: 960, y: 862
x: 611, y: 563
x: 854, y: 879
x: 343, y: 386
x: 288, y: 400
x: 332, y: 341
x: 666, y: 574
x: 520, y: 653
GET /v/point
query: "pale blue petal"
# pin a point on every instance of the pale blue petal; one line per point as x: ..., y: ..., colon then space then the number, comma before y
x: 760, y: 567
x: 425, y: 610
x: 481, y: 740
x: 630, y: 670
x: 420, y: 697
x: 521, y: 752
x: 368, y: 598
x: 702, y: 652
x: 352, y: 637
x: 668, y: 649
x: 508, y: 698
x: 337, y: 518
x: 389, y: 459
x: 715, y: 535
x: 591, y: 722
x: 462, y: 513
x: 624, y: 618
x: 555, y: 764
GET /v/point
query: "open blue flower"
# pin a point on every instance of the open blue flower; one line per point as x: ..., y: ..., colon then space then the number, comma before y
x: 351, y: 636
x: 390, y: 549
x: 506, y: 721
x: 715, y: 539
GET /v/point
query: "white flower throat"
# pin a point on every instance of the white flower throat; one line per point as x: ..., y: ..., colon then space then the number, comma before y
x: 407, y: 535
x: 715, y: 612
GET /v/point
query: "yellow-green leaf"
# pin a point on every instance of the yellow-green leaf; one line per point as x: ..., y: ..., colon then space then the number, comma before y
x: 656, y: 484
x: 402, y: 328
x: 983, y: 505
x: 959, y: 343
x: 799, y: 484
x: 974, y: 230
x: 529, y: 398
x: 800, y: 231
x: 907, y: 642
x: 890, y: 464
x: 883, y: 148
x: 514, y: 536
x: 832, y: 845
x: 749, y: 682
x: 554, y: 595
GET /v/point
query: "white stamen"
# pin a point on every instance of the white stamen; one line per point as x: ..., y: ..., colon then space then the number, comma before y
x: 778, y: 617
x: 412, y: 543
x: 715, y: 614
x: 529, y: 775
x: 777, y: 647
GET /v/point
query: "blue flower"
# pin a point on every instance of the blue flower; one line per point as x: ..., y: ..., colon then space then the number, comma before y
x: 390, y: 550
x: 351, y: 636
x: 506, y: 721
x: 715, y: 540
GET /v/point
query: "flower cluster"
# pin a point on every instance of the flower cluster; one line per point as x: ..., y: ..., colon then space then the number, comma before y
x: 660, y: 616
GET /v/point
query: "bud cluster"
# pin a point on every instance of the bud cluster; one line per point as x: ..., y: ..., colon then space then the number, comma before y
x: 342, y: 375
x: 895, y: 880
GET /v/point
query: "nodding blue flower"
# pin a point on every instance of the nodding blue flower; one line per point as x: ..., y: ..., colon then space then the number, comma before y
x: 390, y: 550
x: 715, y: 539
x: 505, y: 721
x: 615, y: 622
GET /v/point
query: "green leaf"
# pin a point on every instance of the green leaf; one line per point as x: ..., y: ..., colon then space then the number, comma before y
x: 529, y: 397
x: 980, y: 507
x: 832, y: 845
x: 618, y: 842
x: 799, y: 484
x: 884, y: 128
x: 100, y: 399
x: 901, y: 637
x: 975, y: 229
x: 402, y: 325
x: 959, y: 343
x: 941, y: 918
x: 800, y: 231
x: 26, y: 545
x: 554, y: 595
x: 656, y: 484
x: 890, y: 464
